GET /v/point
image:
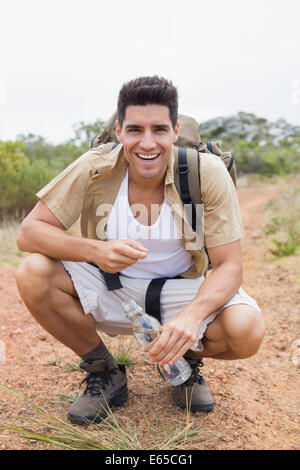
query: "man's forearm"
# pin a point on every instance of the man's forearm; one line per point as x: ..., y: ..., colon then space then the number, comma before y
x: 41, y: 237
x: 218, y: 288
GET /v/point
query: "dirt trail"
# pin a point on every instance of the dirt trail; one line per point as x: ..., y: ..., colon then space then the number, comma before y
x: 257, y: 399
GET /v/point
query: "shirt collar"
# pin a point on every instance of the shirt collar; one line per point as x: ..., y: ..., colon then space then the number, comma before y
x: 170, y: 168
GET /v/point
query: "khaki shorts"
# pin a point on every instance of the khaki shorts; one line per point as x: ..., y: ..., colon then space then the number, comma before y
x: 105, y: 305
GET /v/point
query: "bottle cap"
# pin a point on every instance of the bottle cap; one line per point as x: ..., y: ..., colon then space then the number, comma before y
x: 129, y: 305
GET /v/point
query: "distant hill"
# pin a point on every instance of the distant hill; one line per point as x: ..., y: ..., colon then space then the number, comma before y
x: 260, y: 146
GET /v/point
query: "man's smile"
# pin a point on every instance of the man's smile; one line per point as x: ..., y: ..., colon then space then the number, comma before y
x: 147, y: 156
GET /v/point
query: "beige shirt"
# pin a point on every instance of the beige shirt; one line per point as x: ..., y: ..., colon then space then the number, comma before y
x: 89, y: 187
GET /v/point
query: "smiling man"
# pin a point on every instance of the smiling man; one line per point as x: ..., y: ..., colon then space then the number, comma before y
x: 125, y: 194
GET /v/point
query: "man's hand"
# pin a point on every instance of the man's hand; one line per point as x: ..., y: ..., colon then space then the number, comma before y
x: 177, y: 336
x: 115, y: 255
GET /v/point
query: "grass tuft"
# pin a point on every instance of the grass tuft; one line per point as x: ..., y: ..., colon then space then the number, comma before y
x: 111, y: 434
x: 123, y: 356
x: 72, y: 367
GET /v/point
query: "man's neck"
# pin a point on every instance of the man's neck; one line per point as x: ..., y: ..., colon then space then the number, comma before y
x: 146, y: 184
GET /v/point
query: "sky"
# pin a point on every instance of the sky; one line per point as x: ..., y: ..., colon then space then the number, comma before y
x: 64, y: 61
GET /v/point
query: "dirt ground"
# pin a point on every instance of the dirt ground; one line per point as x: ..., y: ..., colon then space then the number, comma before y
x: 257, y: 399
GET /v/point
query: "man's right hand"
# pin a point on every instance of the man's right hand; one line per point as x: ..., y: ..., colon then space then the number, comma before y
x: 115, y: 255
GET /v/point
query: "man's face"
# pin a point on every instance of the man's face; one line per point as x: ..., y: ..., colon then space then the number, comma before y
x: 147, y: 135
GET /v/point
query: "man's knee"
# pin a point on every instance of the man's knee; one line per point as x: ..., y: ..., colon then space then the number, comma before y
x: 245, y: 327
x: 34, y: 274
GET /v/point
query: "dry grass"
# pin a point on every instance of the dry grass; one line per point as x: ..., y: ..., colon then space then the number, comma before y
x: 10, y: 255
x: 9, y: 252
x: 111, y: 434
x: 282, y: 219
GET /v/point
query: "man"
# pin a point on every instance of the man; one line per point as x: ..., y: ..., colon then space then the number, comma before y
x: 68, y: 296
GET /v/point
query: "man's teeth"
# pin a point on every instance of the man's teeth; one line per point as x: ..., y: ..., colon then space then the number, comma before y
x: 147, y: 157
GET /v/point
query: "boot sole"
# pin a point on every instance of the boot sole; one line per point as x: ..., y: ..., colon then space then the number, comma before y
x: 207, y: 408
x: 118, y: 400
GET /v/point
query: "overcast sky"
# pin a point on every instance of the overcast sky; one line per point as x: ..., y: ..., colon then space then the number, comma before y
x: 63, y: 61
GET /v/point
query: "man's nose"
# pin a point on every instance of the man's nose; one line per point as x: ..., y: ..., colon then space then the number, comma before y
x: 148, y: 142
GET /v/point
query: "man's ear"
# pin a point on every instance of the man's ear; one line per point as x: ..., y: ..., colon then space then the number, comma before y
x: 118, y: 132
x: 176, y: 132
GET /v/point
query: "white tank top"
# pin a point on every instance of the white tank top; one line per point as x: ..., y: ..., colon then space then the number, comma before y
x: 166, y: 255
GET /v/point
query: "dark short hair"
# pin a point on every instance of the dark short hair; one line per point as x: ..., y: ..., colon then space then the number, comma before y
x: 148, y: 90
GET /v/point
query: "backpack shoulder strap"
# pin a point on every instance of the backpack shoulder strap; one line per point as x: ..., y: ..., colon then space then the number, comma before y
x: 187, y: 178
x: 187, y: 174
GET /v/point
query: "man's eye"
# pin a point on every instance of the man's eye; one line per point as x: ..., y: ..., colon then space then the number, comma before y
x: 133, y: 130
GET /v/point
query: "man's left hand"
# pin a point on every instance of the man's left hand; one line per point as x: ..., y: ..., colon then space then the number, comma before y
x: 177, y: 336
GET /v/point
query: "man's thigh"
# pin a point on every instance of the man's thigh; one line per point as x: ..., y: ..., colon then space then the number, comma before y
x: 104, y: 305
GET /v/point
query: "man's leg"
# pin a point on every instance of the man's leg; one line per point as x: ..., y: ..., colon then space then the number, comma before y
x: 236, y: 333
x: 49, y: 294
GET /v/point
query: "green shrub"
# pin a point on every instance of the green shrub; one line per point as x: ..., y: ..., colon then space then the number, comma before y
x: 285, y: 248
x: 215, y: 132
x: 36, y: 148
x: 276, y: 164
x: 260, y: 121
x: 273, y: 226
x: 286, y: 225
x: 12, y: 157
x: 17, y: 197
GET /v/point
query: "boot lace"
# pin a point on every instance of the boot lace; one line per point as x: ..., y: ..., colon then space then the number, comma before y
x: 195, y: 377
x: 98, y: 381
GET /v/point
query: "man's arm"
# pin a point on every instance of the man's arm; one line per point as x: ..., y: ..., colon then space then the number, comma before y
x: 181, y: 332
x: 224, y: 280
x: 41, y: 232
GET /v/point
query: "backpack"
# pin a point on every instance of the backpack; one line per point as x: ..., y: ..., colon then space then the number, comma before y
x: 189, y: 148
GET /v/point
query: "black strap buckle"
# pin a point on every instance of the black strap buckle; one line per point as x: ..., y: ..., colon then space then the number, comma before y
x: 183, y: 169
x: 187, y: 199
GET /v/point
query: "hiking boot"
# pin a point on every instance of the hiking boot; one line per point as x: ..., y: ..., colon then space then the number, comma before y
x: 106, y: 385
x: 193, y: 394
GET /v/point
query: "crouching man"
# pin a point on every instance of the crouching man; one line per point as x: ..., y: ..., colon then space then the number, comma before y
x: 73, y: 286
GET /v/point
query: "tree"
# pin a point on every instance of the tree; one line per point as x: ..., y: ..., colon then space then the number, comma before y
x: 84, y: 132
x: 12, y: 157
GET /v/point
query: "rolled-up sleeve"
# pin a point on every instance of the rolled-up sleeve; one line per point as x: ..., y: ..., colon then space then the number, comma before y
x: 222, y: 216
x: 64, y: 195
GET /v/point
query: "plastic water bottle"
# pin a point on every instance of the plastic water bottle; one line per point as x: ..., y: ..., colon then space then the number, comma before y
x: 145, y: 329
